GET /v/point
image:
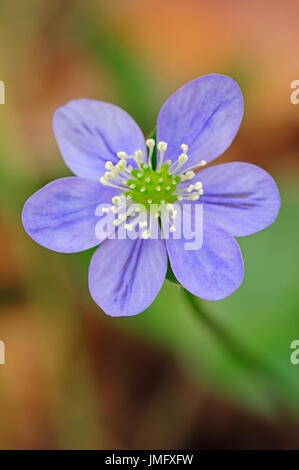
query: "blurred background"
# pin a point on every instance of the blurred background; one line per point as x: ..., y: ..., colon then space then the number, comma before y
x: 76, y: 378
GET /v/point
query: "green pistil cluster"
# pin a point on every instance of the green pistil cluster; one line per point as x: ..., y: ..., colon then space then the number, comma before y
x: 152, y: 186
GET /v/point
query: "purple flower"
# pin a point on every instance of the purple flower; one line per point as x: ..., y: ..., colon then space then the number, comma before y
x: 106, y: 149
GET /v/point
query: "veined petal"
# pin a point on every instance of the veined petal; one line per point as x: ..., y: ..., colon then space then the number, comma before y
x: 239, y: 197
x: 205, y: 114
x: 61, y: 216
x: 211, y: 272
x: 125, y: 276
x: 90, y: 132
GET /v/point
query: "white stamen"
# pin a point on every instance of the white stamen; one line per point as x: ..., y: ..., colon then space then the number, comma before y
x: 122, y: 155
x: 138, y: 156
x: 184, y: 147
x: 146, y: 234
x: 150, y: 143
x: 116, y: 200
x: 162, y: 147
x: 105, y: 182
x: 198, y: 165
x: 189, y: 175
x: 109, y: 165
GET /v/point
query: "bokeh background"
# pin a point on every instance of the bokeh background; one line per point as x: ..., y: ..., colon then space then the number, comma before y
x: 167, y: 378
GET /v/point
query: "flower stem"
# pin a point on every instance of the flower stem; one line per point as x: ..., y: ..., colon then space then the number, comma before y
x: 231, y: 344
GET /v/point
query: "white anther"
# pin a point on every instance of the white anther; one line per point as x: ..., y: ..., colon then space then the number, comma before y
x: 142, y: 224
x: 203, y: 163
x: 121, y: 165
x: 116, y: 222
x: 146, y: 234
x: 139, y: 175
x: 189, y: 175
x: 103, y: 180
x: 162, y: 201
x: 189, y: 189
x: 114, y: 209
x: 184, y: 147
x: 160, y: 180
x: 183, y: 158
x: 172, y: 228
x: 138, y: 155
x: 122, y: 155
x: 109, y: 165
x: 143, y: 189
x: 174, y: 214
x: 116, y: 200
x: 108, y: 176
x: 148, y: 180
x: 167, y: 188
x: 150, y: 143
x: 198, y: 185
x: 162, y: 146
x: 180, y: 198
x: 132, y: 186
x: 149, y: 201
x: 129, y: 227
x: 157, y: 188
x: 194, y: 197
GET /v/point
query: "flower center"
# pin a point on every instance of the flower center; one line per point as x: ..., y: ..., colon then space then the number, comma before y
x: 144, y: 187
x: 148, y: 186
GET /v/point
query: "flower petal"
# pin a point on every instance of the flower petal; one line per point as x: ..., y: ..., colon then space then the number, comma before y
x: 61, y: 215
x: 205, y: 114
x: 212, y: 272
x: 239, y: 197
x: 125, y: 276
x: 90, y: 132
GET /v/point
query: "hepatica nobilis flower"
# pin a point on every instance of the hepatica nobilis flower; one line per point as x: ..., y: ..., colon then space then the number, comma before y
x: 115, y: 168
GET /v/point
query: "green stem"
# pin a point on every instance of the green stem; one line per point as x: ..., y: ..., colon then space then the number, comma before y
x: 231, y: 344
